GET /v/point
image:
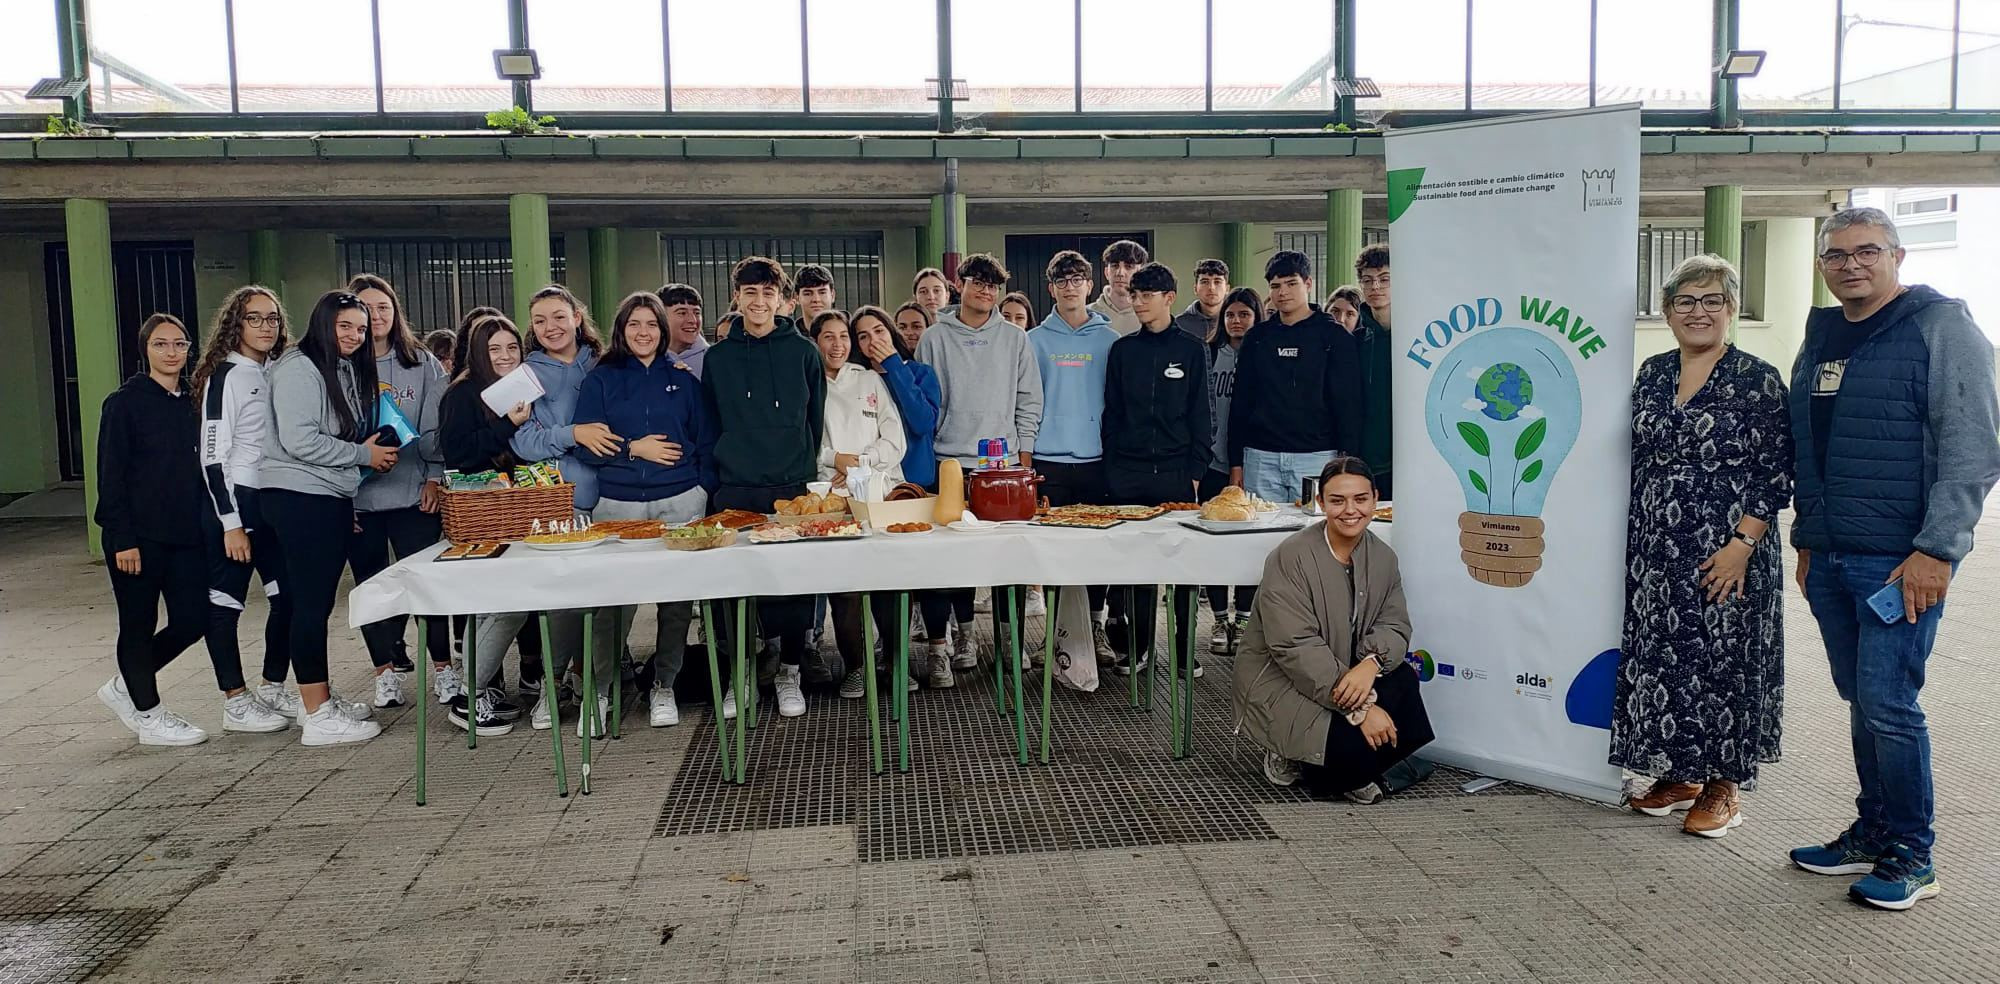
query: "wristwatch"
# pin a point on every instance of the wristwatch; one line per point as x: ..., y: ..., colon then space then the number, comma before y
x: 1746, y: 539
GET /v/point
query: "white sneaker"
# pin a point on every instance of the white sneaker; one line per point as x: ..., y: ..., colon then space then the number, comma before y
x: 1279, y: 770
x: 538, y: 718
x: 1218, y: 641
x: 729, y: 703
x: 940, y: 676
x: 1364, y: 796
x: 114, y: 696
x: 388, y: 689
x: 446, y: 684
x: 1036, y: 607
x: 602, y: 721
x: 356, y: 709
x: 277, y: 698
x: 329, y: 726
x: 791, y: 695
x: 665, y: 713
x: 160, y: 726
x: 247, y: 714
x: 963, y: 655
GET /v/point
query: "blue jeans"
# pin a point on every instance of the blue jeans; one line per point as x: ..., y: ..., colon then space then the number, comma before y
x: 1275, y: 476
x: 1878, y: 670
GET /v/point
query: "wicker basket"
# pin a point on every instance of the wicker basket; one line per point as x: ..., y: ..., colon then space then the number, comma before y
x: 505, y: 514
x: 722, y: 539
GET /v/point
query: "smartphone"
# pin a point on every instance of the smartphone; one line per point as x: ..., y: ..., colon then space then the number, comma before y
x: 387, y: 437
x: 1887, y: 603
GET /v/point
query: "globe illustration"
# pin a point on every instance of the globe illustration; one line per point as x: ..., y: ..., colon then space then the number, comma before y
x: 1506, y: 390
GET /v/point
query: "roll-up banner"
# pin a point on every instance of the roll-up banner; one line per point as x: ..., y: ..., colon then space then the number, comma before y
x: 1515, y: 256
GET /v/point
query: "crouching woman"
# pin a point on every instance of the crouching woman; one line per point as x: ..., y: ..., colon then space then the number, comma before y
x: 1320, y: 682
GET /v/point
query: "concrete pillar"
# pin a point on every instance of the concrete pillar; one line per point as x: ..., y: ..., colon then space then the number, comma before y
x: 267, y: 261
x: 93, y: 300
x: 605, y: 292
x: 528, y: 221
x: 1343, y: 236
x: 1239, y: 250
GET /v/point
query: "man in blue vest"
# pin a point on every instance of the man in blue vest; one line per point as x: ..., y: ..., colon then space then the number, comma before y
x: 1895, y: 419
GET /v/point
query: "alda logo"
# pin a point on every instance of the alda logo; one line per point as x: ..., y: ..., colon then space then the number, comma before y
x: 1532, y: 685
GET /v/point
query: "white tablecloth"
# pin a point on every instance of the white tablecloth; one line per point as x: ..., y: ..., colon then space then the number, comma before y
x: 1158, y: 551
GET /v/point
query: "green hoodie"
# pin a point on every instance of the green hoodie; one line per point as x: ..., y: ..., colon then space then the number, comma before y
x: 768, y: 399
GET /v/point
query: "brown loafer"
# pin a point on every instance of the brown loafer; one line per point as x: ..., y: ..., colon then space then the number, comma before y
x: 1667, y: 797
x: 1715, y: 812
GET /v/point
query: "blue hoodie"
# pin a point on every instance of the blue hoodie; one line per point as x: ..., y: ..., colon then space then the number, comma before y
x: 1072, y: 361
x: 547, y: 433
x: 918, y: 398
x: 635, y: 400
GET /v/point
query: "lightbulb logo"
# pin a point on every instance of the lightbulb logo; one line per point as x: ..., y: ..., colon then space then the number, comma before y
x: 1503, y: 409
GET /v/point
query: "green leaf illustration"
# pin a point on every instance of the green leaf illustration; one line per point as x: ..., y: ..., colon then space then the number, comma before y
x: 1475, y: 437
x: 1478, y: 482
x: 1532, y: 472
x: 1531, y: 439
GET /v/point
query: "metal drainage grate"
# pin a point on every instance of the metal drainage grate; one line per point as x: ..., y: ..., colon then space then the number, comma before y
x: 69, y: 944
x: 1111, y: 783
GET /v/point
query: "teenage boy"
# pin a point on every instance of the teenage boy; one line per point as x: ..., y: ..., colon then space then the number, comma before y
x: 1371, y: 269
x: 1120, y: 259
x: 1211, y: 285
x: 766, y: 391
x: 1156, y: 428
x: 684, y: 324
x: 992, y: 388
x: 1298, y: 399
x: 815, y: 286
x: 1071, y: 348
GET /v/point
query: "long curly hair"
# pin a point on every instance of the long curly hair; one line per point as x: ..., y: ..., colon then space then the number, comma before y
x: 225, y: 334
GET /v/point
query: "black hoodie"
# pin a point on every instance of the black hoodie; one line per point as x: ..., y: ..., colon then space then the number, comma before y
x: 1156, y: 404
x: 149, y: 484
x: 767, y: 397
x: 1298, y: 389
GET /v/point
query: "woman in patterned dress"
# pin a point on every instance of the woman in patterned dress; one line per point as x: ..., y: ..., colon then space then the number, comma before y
x: 1700, y: 695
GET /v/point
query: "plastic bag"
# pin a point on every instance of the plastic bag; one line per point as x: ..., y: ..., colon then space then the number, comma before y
x: 1076, y: 654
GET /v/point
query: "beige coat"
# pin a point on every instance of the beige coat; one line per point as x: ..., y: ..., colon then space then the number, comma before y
x: 1302, y: 637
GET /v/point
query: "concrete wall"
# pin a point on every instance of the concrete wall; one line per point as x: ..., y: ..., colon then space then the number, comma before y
x: 28, y: 455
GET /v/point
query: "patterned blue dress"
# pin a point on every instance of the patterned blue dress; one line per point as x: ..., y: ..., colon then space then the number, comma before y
x: 1701, y: 686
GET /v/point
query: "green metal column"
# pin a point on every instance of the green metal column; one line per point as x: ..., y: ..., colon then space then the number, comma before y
x: 1343, y: 235
x: 93, y: 303
x: 1822, y: 294
x: 266, y: 265
x: 930, y: 238
x: 1722, y: 222
x: 604, y: 292
x: 73, y: 38
x: 517, y: 37
x: 1240, y: 254
x: 528, y: 219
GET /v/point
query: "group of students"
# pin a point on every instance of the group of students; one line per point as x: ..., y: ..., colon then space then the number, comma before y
x: 272, y: 456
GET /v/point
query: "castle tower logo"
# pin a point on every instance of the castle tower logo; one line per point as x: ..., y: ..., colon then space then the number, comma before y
x: 1600, y: 189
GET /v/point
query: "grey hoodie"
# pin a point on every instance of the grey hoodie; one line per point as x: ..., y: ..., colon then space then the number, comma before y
x: 303, y: 451
x: 417, y: 391
x: 991, y: 382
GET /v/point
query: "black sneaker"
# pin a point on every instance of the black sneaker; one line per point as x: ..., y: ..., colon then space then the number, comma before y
x: 1125, y: 667
x: 401, y: 663
x: 504, y: 709
x: 490, y: 725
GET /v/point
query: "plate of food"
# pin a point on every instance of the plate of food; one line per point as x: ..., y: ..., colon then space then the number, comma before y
x: 1231, y: 507
x: 1075, y: 522
x: 908, y: 529
x: 635, y: 530
x: 582, y: 539
x: 733, y: 519
x: 1385, y: 513
x: 697, y: 537
x: 810, y: 508
x: 807, y: 532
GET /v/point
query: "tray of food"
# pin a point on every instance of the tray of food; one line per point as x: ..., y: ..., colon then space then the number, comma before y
x: 472, y: 551
x: 697, y: 537
x: 908, y: 529
x: 812, y: 507
x: 807, y: 532
x: 631, y: 529
x: 1227, y: 528
x: 733, y: 519
x: 1385, y: 514
x: 582, y: 539
x: 1129, y: 514
x: 1181, y: 506
x: 1074, y: 522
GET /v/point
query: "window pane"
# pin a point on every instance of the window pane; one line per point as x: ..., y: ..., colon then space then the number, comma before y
x: 871, y: 56
x: 1979, y: 56
x: 437, y: 55
x: 739, y: 56
x: 1798, y: 72
x: 180, y: 66
x: 1530, y: 54
x: 1897, y: 54
x: 1656, y: 53
x: 1144, y: 55
x: 1017, y: 57
x: 1414, y: 50
x: 27, y: 54
x: 604, y: 55
x: 294, y: 57
x: 1263, y: 47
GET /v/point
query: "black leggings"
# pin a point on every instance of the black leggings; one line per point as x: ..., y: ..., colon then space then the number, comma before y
x: 787, y: 618
x: 229, y: 586
x: 314, y: 532
x: 176, y: 573
x: 407, y: 531
x: 1212, y: 484
x: 943, y: 606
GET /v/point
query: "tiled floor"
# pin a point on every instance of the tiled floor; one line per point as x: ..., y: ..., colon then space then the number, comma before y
x: 253, y: 859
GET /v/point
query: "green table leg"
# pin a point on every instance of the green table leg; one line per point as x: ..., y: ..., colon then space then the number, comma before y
x: 743, y: 708
x: 1173, y: 676
x: 868, y: 670
x: 1049, y: 663
x: 749, y: 710
x: 715, y: 688
x: 423, y: 707
x: 900, y: 681
x: 618, y: 666
x: 551, y: 687
x: 1132, y: 640
x: 1151, y: 668
x: 999, y: 667
x: 587, y: 710
x: 1187, y: 714
x: 471, y: 646
x: 1014, y: 665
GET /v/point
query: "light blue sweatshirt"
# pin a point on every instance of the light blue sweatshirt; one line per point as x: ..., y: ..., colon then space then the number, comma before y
x: 547, y: 433
x: 1072, y: 361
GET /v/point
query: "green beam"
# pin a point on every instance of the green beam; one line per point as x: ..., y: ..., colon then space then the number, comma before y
x: 605, y: 294
x: 528, y: 221
x: 1722, y: 226
x: 1343, y: 235
x: 1241, y: 254
x: 1822, y: 294
x: 266, y: 263
x: 930, y: 238
x: 73, y: 39
x: 93, y: 304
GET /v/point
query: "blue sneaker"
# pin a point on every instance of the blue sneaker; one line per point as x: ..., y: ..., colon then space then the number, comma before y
x: 1898, y: 882
x: 1847, y: 854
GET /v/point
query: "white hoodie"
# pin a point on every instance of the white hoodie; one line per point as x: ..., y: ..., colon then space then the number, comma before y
x: 862, y: 420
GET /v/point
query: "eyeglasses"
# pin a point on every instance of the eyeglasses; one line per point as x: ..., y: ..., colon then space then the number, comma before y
x: 166, y: 345
x: 1381, y: 281
x: 260, y: 320
x: 981, y: 285
x: 1686, y: 303
x: 1070, y: 283
x: 1867, y: 256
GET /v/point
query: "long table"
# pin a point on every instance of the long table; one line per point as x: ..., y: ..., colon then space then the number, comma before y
x: 1156, y: 551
